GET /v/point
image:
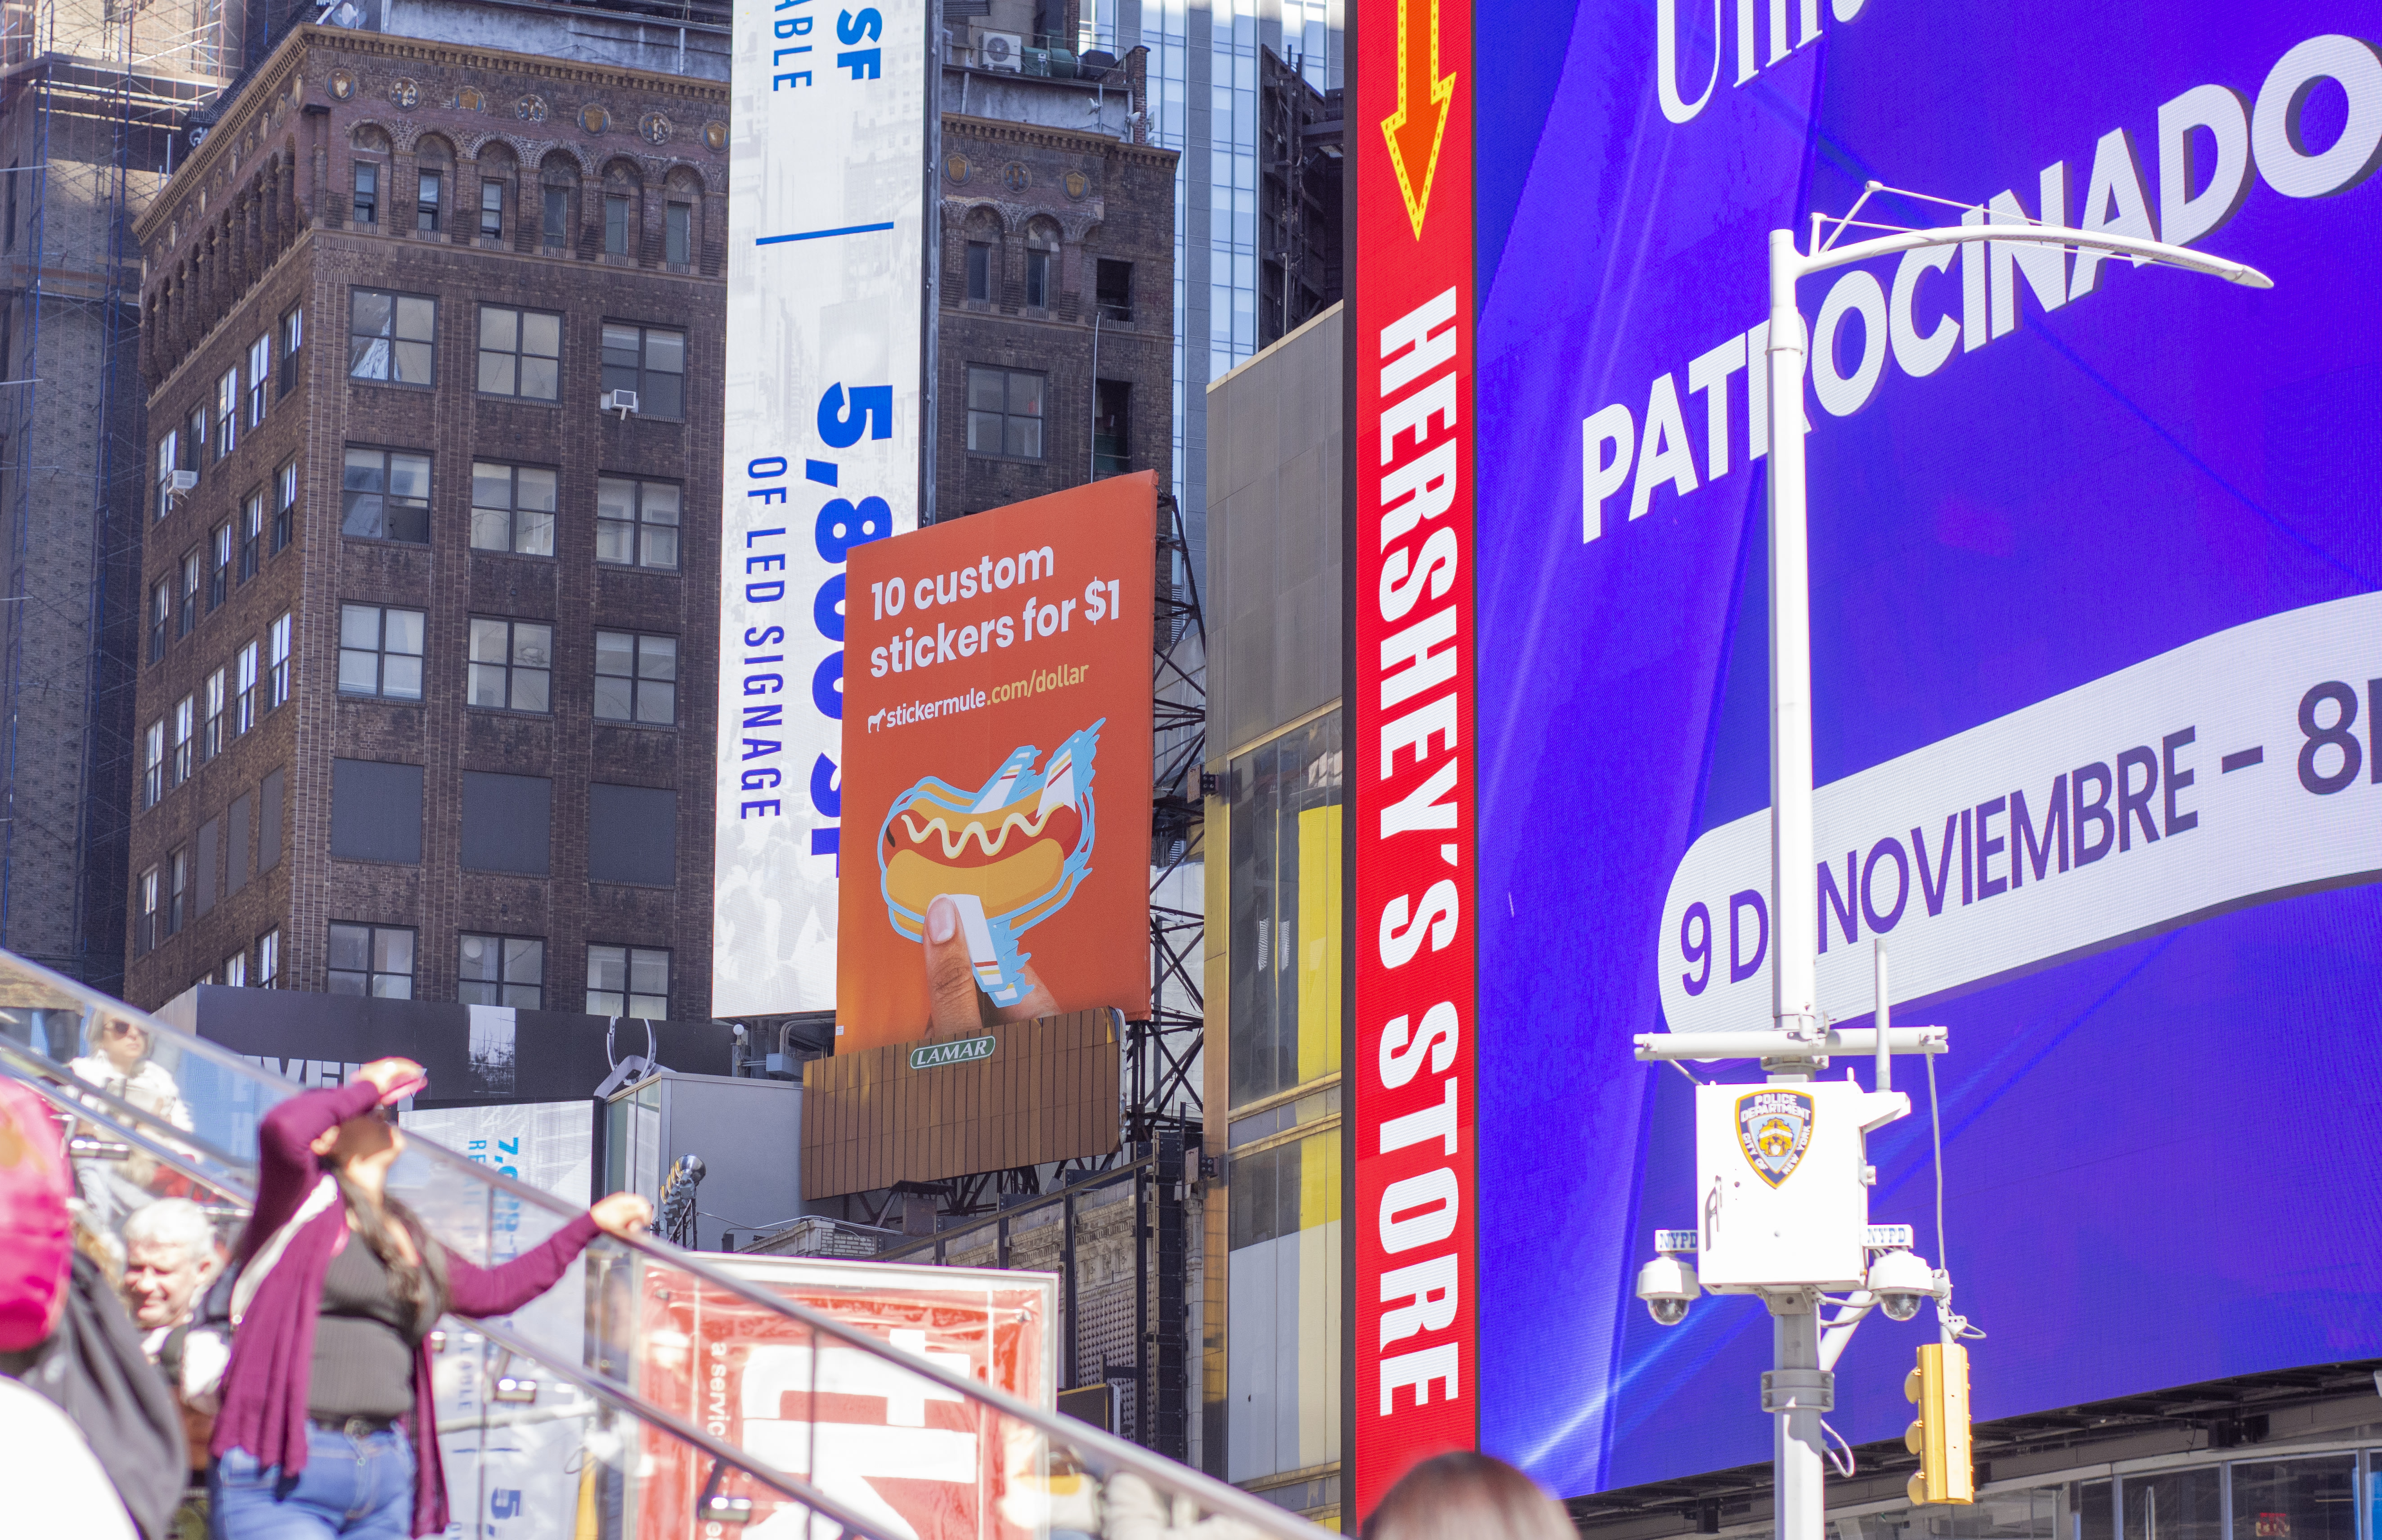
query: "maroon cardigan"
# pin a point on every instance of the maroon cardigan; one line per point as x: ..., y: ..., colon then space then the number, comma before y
x: 273, y: 1349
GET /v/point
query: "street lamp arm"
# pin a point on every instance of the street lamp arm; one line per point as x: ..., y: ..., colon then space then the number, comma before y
x: 2038, y: 235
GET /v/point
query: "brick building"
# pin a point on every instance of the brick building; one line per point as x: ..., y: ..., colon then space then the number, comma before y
x: 425, y: 689
x: 1056, y: 357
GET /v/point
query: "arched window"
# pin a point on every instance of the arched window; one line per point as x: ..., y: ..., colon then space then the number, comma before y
x: 980, y: 236
x: 682, y: 218
x: 370, y: 156
x: 434, y: 183
x: 1041, y: 263
x: 558, y: 178
x: 622, y: 190
x: 499, y: 174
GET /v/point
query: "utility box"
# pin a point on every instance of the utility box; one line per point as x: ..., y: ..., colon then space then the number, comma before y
x: 1782, y: 1195
x: 747, y: 1132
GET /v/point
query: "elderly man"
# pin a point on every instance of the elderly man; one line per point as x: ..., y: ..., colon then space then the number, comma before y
x: 170, y: 1257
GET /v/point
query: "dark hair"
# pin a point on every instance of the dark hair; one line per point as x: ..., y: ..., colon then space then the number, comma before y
x: 1468, y: 1497
x: 419, y: 1285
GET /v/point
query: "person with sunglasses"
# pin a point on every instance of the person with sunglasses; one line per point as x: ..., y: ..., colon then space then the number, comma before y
x: 326, y: 1426
x: 119, y: 1065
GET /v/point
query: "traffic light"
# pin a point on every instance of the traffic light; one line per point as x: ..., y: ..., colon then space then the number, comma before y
x: 1939, y: 1388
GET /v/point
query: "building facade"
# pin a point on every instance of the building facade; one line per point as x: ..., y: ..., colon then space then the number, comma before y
x: 432, y: 337
x: 1055, y: 358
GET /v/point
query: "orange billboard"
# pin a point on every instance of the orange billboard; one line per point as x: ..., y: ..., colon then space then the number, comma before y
x: 997, y: 744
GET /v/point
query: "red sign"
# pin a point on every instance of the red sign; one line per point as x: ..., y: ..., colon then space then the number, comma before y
x: 1417, y: 1384
x: 896, y: 1447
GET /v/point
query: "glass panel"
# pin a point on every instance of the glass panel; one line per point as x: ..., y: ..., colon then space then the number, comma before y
x: 657, y: 703
x: 1024, y: 437
x: 666, y: 352
x: 401, y: 632
x: 416, y: 318
x: 359, y: 626
x: 541, y: 335
x: 984, y: 432
x: 489, y: 641
x: 530, y: 689
x: 478, y: 957
x: 392, y: 950
x: 664, y: 395
x: 402, y: 678
x: 2175, y: 1504
x: 612, y: 698
x: 409, y: 476
x: 657, y: 659
x: 1026, y: 394
x: 2295, y: 1500
x: 524, y: 961
x: 411, y: 363
x: 487, y: 686
x: 534, y: 489
x: 491, y: 530
x: 661, y: 503
x: 350, y: 946
x: 532, y: 645
x: 492, y: 485
x: 648, y: 972
x: 661, y: 548
x: 615, y: 652
x: 370, y: 312
x: 500, y: 327
x: 985, y: 390
x: 540, y: 378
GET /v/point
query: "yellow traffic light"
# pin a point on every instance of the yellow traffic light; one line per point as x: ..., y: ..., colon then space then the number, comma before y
x: 1939, y: 1388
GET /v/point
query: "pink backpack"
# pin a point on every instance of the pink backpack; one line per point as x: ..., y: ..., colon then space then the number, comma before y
x: 36, y: 1245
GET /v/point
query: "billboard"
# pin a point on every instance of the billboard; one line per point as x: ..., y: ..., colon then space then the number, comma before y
x: 1413, y: 1211
x: 999, y: 762
x: 826, y: 294
x: 2097, y: 610
x: 890, y: 1446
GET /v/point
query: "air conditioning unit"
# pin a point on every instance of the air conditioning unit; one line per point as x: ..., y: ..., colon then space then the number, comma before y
x: 622, y: 401
x: 183, y: 481
x: 1000, y: 50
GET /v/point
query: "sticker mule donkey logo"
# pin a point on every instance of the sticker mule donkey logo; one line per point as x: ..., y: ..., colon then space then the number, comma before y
x: 1774, y: 1128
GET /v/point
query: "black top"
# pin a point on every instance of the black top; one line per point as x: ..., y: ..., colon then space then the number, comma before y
x: 365, y: 1341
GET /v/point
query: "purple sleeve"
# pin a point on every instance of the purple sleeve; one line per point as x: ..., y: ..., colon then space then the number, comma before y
x: 285, y: 1163
x: 473, y: 1290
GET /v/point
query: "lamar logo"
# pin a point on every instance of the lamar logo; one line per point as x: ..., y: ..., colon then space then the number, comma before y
x: 966, y: 1051
x: 1774, y: 1130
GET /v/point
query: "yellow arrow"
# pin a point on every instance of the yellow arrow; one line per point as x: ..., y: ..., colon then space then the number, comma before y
x: 1414, y: 131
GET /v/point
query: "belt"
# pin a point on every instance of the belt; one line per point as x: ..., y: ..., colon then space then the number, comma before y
x: 354, y: 1427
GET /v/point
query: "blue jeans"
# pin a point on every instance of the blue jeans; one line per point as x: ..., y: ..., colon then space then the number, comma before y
x: 351, y: 1488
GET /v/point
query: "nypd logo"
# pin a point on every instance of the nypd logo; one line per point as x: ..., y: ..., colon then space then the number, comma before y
x: 1774, y: 1128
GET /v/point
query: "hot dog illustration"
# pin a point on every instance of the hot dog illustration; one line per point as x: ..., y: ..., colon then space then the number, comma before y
x: 1009, y: 854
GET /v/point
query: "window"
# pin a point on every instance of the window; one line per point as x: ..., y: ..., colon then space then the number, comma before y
x: 236, y: 821
x: 501, y: 971
x: 372, y: 960
x: 557, y: 215
x: 192, y: 566
x: 252, y: 535
x: 1112, y: 282
x: 389, y: 335
x: 367, y: 193
x: 243, y: 715
x: 632, y: 834
x: 268, y: 817
x: 616, y: 225
x: 194, y: 438
x: 153, y: 764
x: 979, y: 269
x: 208, y: 856
x: 161, y: 610
x: 427, y: 187
x: 179, y: 902
x: 380, y: 652
x: 1037, y: 280
x: 218, y: 565
x: 512, y: 665
x: 375, y: 811
x: 284, y: 505
x: 169, y: 459
x: 520, y: 352
x: 677, y: 234
x: 268, y: 960
x: 186, y: 722
x: 636, y: 679
x: 628, y: 981
x: 512, y: 508
x: 492, y: 210
x: 1004, y: 412
x: 235, y: 971
x: 259, y: 377
x: 507, y: 824
x: 293, y: 338
x: 1111, y: 426
x: 144, y: 931
x: 636, y: 522
x: 211, y: 736
x: 227, y: 412
x: 385, y: 495
x: 650, y: 361
x: 278, y: 690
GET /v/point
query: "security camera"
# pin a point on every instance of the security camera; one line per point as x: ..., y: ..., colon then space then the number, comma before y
x: 1668, y: 1285
x: 1902, y: 1281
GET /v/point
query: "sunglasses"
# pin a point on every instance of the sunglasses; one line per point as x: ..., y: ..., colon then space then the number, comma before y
x: 122, y: 1029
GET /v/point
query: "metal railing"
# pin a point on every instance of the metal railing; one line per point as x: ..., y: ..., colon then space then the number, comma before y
x: 202, y: 1131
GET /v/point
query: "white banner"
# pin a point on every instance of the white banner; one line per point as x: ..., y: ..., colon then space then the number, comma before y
x: 2236, y: 769
x: 825, y: 281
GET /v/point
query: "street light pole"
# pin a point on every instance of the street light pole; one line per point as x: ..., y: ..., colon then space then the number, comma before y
x: 1799, y: 1391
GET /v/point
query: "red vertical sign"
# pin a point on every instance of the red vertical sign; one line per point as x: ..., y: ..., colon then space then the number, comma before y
x: 1414, y: 1313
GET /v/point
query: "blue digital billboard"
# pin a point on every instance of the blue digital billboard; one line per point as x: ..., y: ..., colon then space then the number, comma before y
x: 2096, y: 587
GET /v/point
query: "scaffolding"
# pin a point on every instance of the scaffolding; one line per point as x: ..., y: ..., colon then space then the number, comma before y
x: 93, y: 96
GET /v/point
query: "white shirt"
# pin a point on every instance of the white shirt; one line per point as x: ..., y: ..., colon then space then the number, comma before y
x: 56, y: 1490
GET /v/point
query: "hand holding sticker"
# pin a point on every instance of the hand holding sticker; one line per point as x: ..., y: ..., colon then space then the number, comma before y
x: 957, y: 1006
